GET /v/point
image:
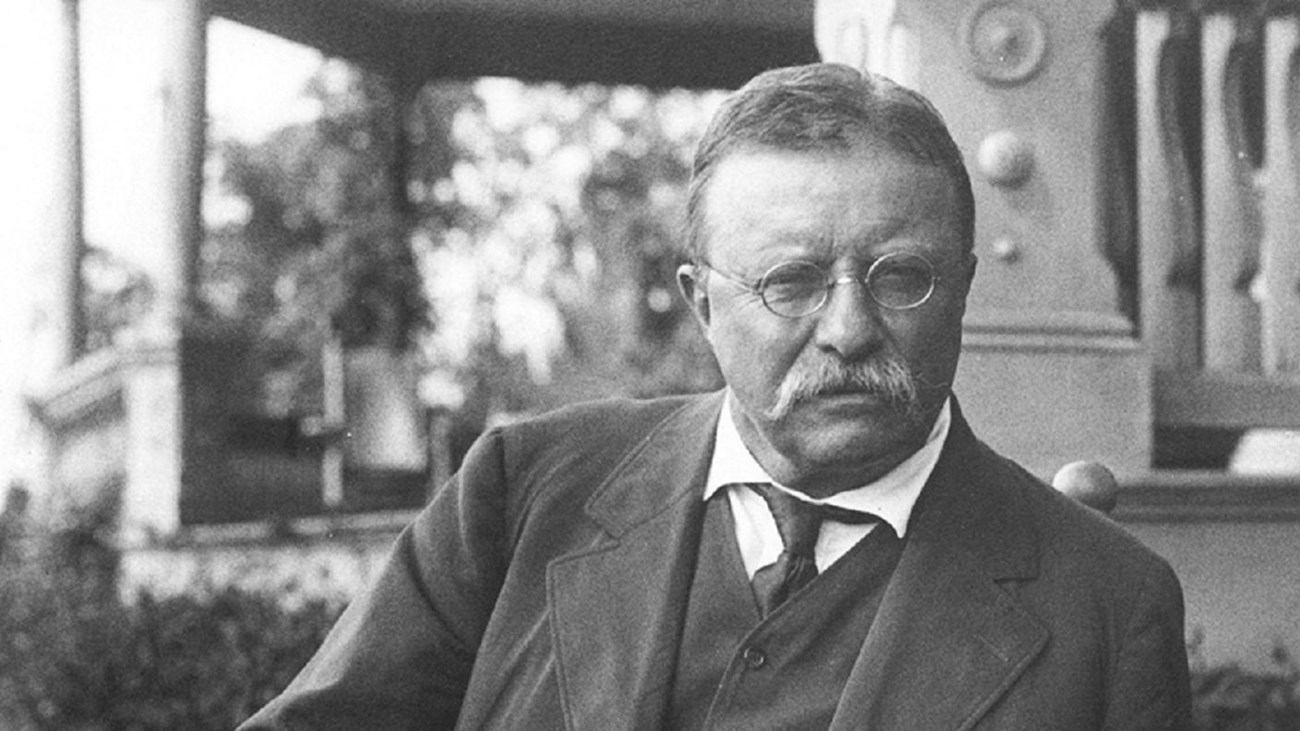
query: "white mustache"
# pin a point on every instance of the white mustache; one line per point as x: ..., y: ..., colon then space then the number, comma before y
x: 889, y: 378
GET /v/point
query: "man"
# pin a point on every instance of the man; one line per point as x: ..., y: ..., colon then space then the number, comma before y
x: 643, y: 565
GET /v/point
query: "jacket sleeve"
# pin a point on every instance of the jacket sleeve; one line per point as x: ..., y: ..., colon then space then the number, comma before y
x: 1149, y: 687
x: 400, y: 656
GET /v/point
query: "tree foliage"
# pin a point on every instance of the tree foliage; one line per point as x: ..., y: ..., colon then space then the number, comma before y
x: 312, y: 238
x: 536, y: 225
x: 116, y: 293
x: 551, y: 262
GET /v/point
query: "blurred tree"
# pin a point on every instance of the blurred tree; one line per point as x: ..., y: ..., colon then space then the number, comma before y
x: 536, y: 224
x: 117, y: 294
x: 552, y: 275
x: 314, y: 241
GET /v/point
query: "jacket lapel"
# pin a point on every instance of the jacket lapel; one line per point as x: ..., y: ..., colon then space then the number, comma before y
x: 617, y: 609
x: 947, y: 641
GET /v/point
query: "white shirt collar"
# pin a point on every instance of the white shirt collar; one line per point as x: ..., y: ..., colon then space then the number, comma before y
x: 891, y: 497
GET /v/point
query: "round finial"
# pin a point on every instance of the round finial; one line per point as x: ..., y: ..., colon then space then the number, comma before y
x: 1005, y: 249
x: 1005, y: 159
x: 1091, y: 483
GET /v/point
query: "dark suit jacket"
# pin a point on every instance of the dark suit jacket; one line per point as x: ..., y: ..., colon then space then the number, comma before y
x: 543, y: 588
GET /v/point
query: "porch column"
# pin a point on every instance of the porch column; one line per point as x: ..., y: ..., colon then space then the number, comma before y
x: 184, y: 140
x: 62, y: 334
x: 1052, y: 370
x: 66, y: 322
x: 152, y: 360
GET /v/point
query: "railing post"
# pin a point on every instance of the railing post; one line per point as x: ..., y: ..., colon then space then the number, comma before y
x: 1168, y: 225
x: 1280, y: 249
x: 1232, y: 211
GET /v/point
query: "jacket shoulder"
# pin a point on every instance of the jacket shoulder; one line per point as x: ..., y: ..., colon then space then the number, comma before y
x: 1066, y: 524
x: 1088, y: 562
x: 591, y: 431
x: 606, y: 417
x: 565, y: 454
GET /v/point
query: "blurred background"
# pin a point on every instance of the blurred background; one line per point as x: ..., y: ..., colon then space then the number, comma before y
x: 270, y: 269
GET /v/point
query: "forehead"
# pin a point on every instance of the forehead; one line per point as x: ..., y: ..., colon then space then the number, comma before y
x: 862, y: 198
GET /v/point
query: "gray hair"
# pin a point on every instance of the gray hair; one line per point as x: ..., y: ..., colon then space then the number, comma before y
x: 825, y: 106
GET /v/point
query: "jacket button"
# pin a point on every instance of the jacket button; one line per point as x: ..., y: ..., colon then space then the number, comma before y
x: 754, y: 658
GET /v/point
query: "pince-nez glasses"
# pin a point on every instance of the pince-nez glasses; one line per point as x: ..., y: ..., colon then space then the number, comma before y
x: 897, y: 281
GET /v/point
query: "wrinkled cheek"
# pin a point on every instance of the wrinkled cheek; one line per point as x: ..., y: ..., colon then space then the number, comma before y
x: 753, y: 368
x: 756, y: 386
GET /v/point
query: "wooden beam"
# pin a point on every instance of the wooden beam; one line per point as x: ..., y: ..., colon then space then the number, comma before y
x: 1226, y: 400
x: 455, y: 42
x: 1191, y: 496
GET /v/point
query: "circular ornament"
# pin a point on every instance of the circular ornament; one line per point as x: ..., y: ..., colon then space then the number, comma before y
x: 1004, y: 41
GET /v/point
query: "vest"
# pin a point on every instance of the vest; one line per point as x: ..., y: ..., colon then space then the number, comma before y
x: 736, y: 670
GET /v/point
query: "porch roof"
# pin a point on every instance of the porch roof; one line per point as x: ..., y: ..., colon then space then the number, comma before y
x: 657, y: 43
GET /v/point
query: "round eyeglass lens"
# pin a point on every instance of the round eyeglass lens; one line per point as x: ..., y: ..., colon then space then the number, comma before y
x: 901, y: 281
x: 793, y: 289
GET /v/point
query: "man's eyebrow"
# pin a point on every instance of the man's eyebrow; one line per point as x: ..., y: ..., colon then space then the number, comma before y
x: 822, y: 245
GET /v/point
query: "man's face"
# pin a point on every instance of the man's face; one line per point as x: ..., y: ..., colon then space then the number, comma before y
x: 841, y: 210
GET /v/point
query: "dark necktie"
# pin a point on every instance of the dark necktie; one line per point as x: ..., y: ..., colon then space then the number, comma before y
x: 799, y: 522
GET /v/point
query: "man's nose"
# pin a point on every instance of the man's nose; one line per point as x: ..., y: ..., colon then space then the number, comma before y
x: 849, y: 323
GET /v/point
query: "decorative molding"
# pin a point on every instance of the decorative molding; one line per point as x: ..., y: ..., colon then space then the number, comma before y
x: 1050, y: 331
x: 97, y: 379
x: 1226, y: 400
x: 1005, y: 42
x: 77, y: 390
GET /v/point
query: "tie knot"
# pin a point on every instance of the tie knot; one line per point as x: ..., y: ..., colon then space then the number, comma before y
x: 799, y: 521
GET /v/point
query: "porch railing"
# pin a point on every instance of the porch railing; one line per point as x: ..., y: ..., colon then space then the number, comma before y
x: 1217, y: 114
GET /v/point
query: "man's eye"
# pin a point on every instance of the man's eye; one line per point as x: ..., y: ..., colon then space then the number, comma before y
x: 792, y: 291
x: 793, y: 282
x: 901, y: 277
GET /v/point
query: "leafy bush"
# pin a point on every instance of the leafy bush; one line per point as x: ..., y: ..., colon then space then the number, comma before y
x: 73, y: 656
x: 1228, y: 698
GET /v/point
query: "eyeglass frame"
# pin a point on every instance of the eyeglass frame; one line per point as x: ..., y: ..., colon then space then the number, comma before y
x: 756, y: 288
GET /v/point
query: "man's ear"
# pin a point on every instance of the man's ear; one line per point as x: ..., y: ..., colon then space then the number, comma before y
x: 971, y: 262
x: 689, y: 283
